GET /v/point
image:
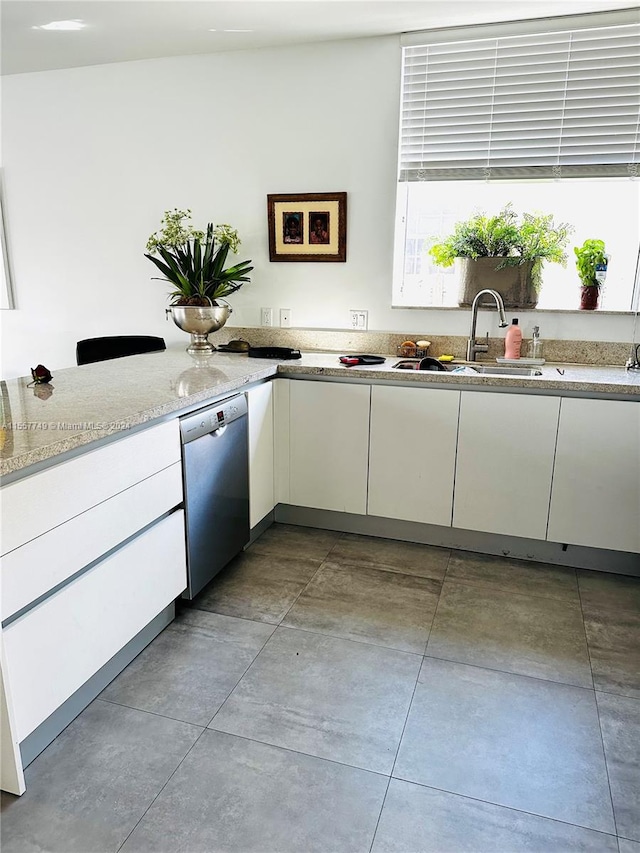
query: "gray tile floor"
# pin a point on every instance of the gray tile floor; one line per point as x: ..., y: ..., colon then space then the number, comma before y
x: 335, y: 693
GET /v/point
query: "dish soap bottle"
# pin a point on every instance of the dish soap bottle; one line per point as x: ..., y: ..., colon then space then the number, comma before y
x: 513, y: 340
x: 535, y: 347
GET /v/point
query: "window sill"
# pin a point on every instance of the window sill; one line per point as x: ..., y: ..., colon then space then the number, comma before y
x: 577, y: 311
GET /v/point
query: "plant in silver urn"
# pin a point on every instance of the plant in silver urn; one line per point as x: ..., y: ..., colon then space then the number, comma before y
x: 194, y: 263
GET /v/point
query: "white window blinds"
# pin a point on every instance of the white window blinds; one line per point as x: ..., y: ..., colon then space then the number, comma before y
x: 554, y: 100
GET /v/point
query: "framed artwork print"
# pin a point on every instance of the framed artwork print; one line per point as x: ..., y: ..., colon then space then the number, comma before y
x: 307, y: 227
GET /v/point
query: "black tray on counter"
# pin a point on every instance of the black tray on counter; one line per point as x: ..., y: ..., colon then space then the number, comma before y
x: 274, y: 352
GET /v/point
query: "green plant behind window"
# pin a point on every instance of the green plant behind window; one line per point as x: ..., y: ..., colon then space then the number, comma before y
x: 589, y: 257
x: 534, y: 238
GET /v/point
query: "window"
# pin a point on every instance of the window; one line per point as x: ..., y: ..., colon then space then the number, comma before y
x: 549, y: 121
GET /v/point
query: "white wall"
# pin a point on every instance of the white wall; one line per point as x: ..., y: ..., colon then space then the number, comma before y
x: 93, y: 156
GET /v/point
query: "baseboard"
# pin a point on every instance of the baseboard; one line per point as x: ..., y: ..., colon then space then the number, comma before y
x: 573, y: 556
x: 260, y: 528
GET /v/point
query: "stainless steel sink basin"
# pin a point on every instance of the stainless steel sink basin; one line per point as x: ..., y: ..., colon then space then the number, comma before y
x: 506, y: 370
x: 483, y: 369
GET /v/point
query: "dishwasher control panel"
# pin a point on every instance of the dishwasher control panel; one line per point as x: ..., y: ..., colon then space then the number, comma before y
x: 212, y: 417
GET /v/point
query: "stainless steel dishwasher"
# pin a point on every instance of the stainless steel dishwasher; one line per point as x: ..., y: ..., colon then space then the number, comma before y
x: 215, y: 465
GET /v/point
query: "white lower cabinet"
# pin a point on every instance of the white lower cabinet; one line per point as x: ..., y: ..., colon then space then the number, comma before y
x: 412, y: 453
x: 596, y: 483
x: 261, y: 450
x: 504, y: 467
x: 328, y: 445
x: 57, y: 646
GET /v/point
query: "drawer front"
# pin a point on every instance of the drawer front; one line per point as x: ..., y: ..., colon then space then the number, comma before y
x: 32, y: 506
x: 33, y: 569
x: 53, y: 649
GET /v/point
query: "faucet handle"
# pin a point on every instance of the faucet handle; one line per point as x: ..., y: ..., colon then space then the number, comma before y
x: 484, y: 347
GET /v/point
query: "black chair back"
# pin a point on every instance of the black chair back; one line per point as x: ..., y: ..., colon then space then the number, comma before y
x: 103, y: 349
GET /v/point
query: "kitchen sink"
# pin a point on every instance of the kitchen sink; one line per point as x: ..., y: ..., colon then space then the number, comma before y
x: 506, y: 370
x: 483, y: 369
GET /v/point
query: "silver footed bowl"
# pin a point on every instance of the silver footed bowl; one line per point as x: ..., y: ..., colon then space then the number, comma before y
x: 199, y: 322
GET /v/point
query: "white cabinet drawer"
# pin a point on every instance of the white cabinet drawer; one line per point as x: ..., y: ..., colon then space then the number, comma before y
x: 33, y: 569
x: 53, y: 649
x: 36, y: 504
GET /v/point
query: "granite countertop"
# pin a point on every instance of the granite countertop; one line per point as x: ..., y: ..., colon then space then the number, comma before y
x: 88, y: 403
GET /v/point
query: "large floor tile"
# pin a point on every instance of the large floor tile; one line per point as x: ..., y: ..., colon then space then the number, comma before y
x: 423, y: 820
x: 374, y: 606
x: 190, y: 669
x: 613, y: 637
x: 513, y: 575
x: 235, y: 796
x: 323, y: 696
x: 90, y: 787
x: 524, y: 634
x: 626, y: 846
x: 514, y: 741
x: 617, y: 592
x: 257, y: 586
x: 620, y: 721
x: 407, y: 557
x: 293, y: 541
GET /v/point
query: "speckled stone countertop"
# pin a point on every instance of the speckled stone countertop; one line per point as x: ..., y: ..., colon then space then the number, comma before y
x: 85, y: 404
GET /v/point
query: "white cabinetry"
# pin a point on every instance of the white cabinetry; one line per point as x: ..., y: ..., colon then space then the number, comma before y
x: 596, y: 483
x: 504, y: 467
x: 413, y: 453
x: 261, y: 471
x: 53, y: 649
x: 329, y: 446
x: 93, y: 553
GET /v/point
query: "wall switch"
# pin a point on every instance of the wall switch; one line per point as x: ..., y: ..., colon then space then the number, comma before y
x: 285, y: 317
x: 266, y: 316
x: 359, y: 319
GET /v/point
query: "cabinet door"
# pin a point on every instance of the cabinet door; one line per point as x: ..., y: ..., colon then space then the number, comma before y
x: 506, y: 445
x: 261, y: 500
x: 413, y: 453
x: 596, y: 481
x: 329, y: 445
x: 53, y: 649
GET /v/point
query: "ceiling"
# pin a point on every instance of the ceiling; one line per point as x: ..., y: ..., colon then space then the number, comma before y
x: 123, y: 30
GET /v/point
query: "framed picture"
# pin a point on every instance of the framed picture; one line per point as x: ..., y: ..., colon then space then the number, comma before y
x: 307, y: 227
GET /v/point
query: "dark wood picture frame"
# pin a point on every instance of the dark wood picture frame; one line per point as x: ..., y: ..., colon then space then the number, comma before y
x: 322, y: 235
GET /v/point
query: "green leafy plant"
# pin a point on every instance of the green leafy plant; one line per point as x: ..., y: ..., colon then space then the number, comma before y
x: 533, y: 238
x: 194, y: 261
x: 589, y: 257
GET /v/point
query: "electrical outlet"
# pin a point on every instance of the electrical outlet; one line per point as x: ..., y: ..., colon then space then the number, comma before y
x: 359, y: 319
x: 266, y: 316
x: 285, y: 317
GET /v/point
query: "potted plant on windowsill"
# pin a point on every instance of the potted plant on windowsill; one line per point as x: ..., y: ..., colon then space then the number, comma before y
x: 592, y: 263
x: 193, y: 262
x: 504, y: 254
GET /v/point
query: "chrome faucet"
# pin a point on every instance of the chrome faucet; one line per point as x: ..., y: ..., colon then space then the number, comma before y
x: 473, y: 347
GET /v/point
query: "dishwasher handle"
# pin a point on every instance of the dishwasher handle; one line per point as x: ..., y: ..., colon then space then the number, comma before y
x: 213, y: 418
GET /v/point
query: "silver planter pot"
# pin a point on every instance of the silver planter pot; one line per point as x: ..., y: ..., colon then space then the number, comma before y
x: 199, y: 323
